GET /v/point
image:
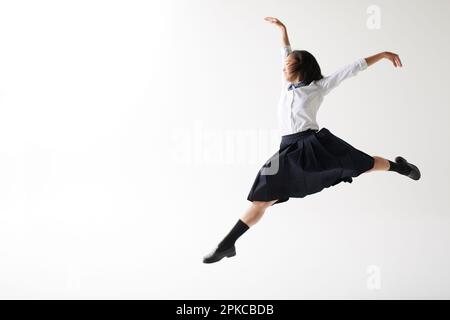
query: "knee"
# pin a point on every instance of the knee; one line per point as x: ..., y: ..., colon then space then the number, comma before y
x: 263, y: 204
x: 259, y: 204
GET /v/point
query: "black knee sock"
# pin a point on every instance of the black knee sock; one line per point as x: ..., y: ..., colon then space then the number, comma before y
x: 239, y: 228
x: 399, y: 167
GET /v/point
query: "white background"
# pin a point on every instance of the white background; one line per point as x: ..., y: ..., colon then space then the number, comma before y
x: 98, y: 195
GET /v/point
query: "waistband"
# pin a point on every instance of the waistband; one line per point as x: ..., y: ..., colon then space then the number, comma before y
x: 288, y: 138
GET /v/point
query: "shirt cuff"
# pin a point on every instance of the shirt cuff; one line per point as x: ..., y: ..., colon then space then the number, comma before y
x: 362, y: 63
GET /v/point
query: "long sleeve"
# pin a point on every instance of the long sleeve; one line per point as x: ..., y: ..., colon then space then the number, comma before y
x: 285, y: 51
x: 332, y: 81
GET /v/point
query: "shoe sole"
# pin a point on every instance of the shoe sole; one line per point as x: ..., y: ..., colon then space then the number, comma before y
x: 216, y: 260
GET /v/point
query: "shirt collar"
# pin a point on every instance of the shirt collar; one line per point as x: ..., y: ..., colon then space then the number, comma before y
x: 296, y: 85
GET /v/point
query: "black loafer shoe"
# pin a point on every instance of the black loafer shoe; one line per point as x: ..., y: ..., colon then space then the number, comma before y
x: 218, y: 254
x: 414, y: 173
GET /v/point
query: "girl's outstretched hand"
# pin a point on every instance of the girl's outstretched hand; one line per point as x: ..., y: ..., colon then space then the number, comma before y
x: 394, y: 58
x: 274, y: 21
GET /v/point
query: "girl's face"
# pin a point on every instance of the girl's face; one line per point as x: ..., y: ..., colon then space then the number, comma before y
x: 288, y: 69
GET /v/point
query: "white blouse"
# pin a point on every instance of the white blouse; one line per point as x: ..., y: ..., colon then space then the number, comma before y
x: 297, y: 107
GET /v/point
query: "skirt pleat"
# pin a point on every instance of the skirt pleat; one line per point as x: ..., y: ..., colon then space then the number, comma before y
x: 306, y: 163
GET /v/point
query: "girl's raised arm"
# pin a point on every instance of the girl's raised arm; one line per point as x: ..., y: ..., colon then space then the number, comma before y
x: 285, y: 47
x: 332, y: 81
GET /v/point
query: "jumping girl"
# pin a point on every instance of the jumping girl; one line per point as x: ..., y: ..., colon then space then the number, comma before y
x: 308, y: 159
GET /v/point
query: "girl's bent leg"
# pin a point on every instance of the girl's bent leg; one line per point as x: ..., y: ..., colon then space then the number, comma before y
x: 400, y: 165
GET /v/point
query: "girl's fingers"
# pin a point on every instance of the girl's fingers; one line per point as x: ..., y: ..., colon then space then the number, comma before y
x: 272, y: 20
x: 394, y: 58
x: 394, y: 61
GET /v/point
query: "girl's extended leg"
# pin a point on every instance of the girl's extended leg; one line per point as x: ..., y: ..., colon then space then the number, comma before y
x: 251, y: 216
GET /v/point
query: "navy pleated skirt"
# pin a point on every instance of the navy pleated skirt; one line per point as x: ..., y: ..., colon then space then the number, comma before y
x: 306, y: 163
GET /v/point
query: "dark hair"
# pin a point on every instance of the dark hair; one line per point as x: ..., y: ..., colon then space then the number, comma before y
x: 307, y: 66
